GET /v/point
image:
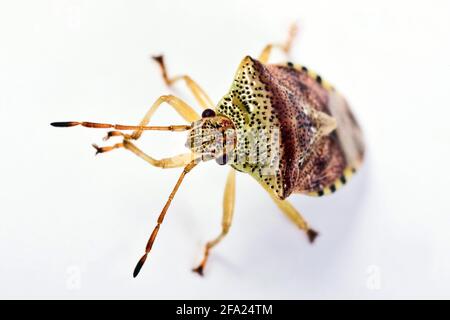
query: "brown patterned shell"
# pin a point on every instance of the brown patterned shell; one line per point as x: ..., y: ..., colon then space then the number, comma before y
x: 292, y: 98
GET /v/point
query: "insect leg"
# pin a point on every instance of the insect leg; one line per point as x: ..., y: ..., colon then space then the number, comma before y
x: 228, y: 209
x: 107, y: 148
x: 295, y: 217
x: 165, y: 163
x: 153, y: 235
x: 199, y: 94
x: 285, y: 47
x: 179, y: 105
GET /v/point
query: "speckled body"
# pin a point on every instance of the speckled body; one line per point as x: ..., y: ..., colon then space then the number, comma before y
x: 282, y: 124
x: 297, y: 103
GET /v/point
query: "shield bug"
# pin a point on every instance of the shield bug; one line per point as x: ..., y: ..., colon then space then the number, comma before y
x: 280, y: 123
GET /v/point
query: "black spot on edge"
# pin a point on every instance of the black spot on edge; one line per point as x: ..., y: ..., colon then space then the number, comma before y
x: 319, y: 79
x: 139, y: 266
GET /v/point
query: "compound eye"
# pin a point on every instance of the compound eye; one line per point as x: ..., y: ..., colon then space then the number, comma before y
x: 208, y: 113
x: 222, y: 160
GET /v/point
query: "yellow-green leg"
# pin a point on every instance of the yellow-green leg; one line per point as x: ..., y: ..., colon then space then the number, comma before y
x: 295, y: 217
x: 228, y: 209
x: 165, y: 163
x: 285, y: 47
x: 183, y: 109
x: 199, y: 94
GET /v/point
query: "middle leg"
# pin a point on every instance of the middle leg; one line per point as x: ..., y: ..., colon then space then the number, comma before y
x: 285, y: 47
x: 228, y: 209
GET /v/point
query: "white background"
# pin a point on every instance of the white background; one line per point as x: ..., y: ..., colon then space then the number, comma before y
x: 73, y: 225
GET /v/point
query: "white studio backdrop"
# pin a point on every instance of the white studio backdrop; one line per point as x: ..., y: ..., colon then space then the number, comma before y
x: 73, y: 225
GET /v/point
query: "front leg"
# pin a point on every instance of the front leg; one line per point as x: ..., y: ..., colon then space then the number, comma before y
x: 199, y: 94
x: 173, y: 162
x: 183, y: 109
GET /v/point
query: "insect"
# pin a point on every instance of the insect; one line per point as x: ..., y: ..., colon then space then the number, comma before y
x: 280, y: 123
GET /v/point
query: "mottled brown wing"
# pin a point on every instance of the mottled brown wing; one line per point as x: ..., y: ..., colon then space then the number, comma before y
x: 316, y: 169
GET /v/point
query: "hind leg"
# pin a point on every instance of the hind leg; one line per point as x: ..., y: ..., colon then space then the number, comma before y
x: 285, y: 47
x: 295, y: 216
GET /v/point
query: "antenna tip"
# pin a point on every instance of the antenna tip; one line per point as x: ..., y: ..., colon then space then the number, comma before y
x: 64, y: 124
x: 139, y: 265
